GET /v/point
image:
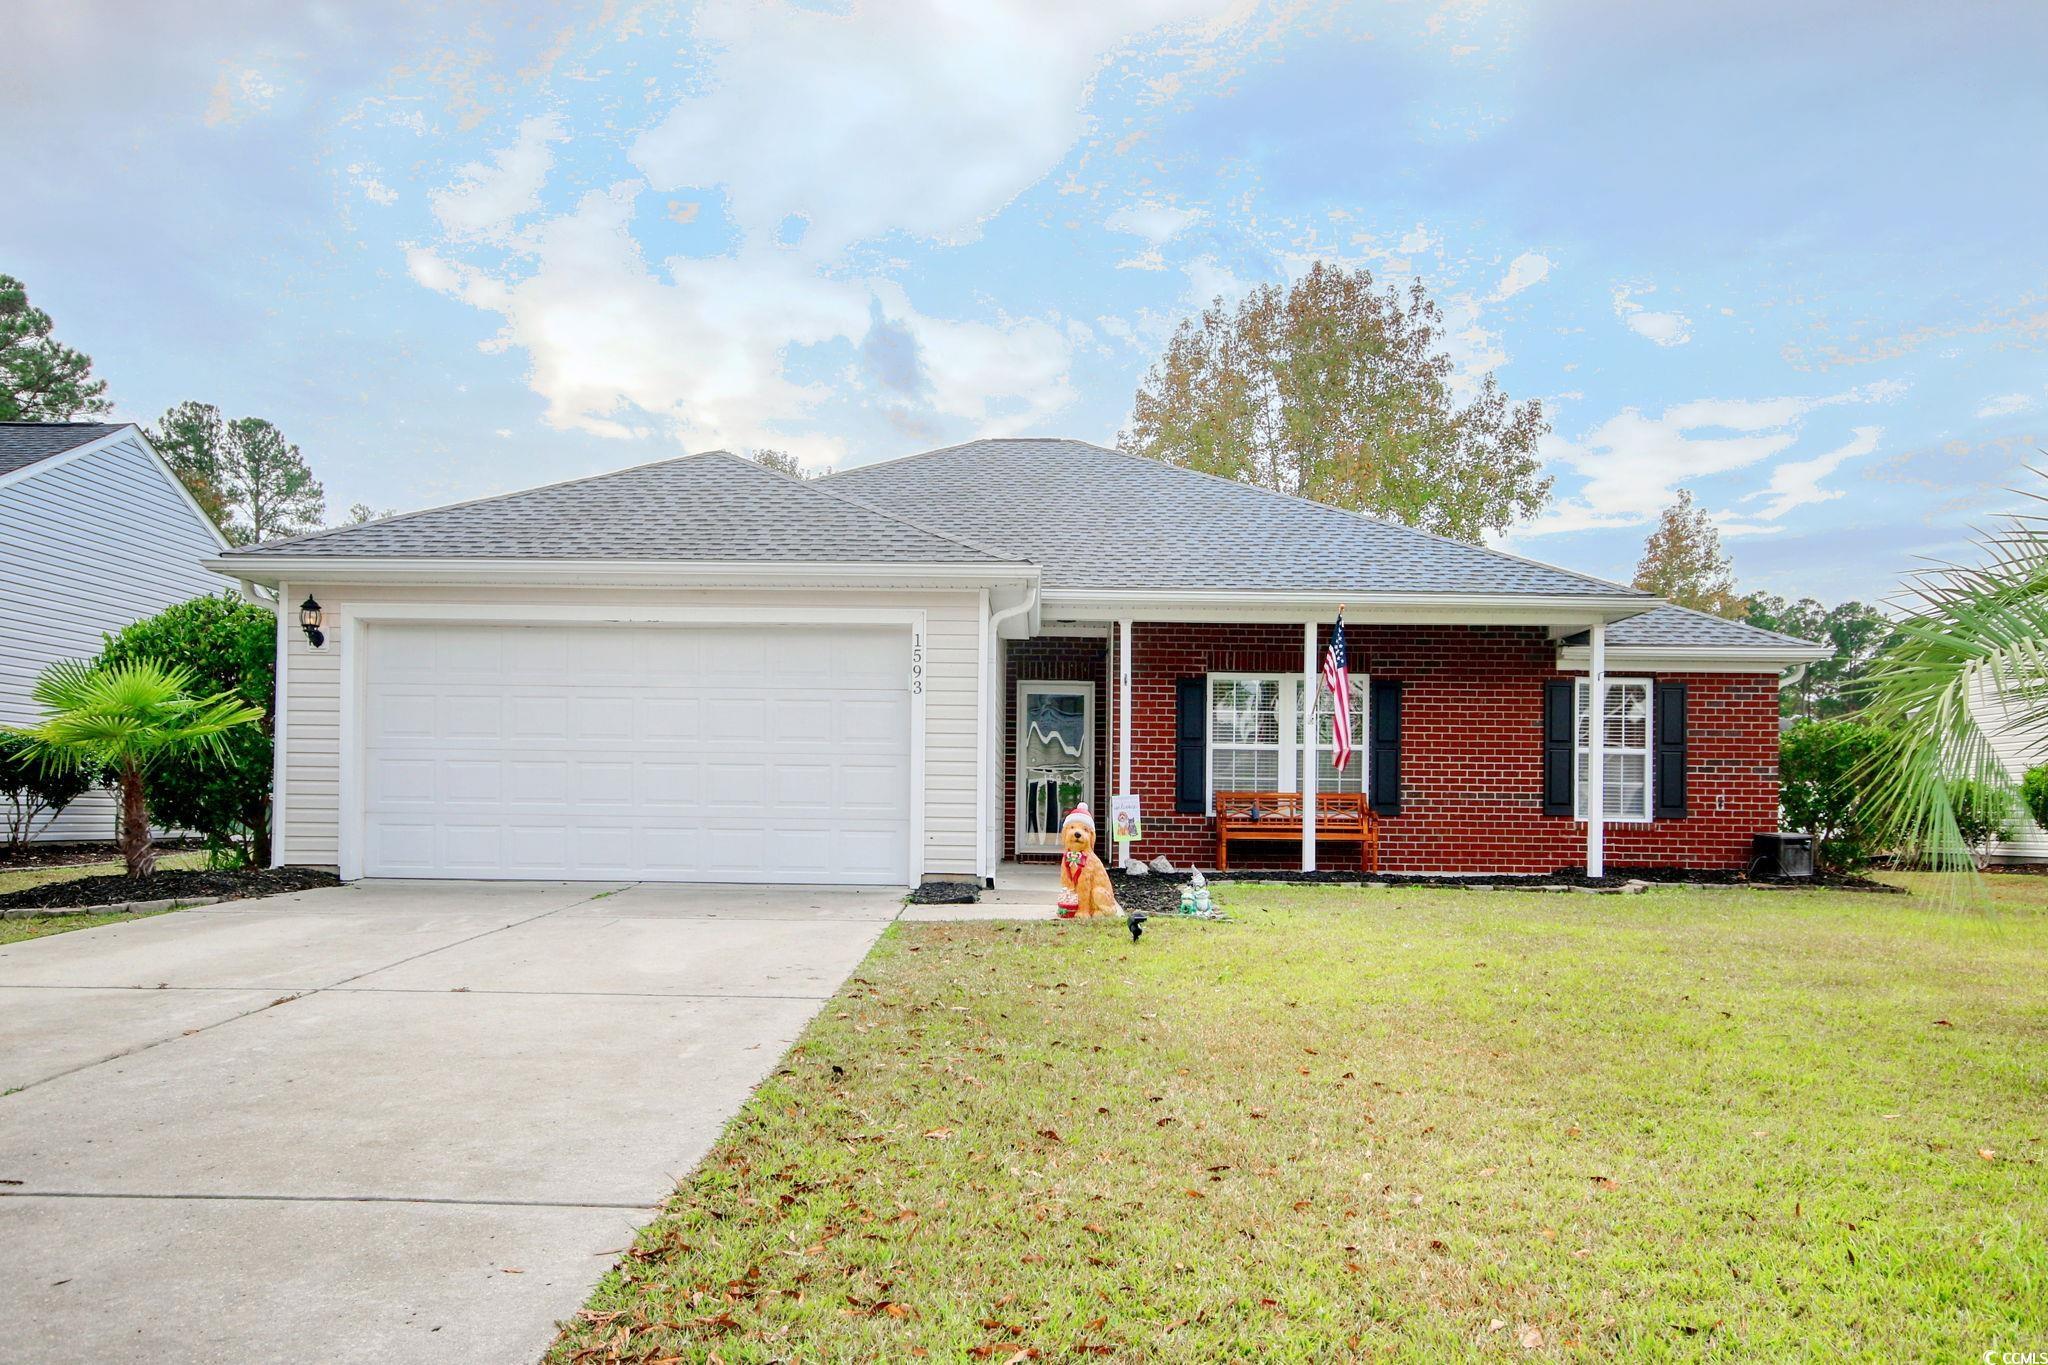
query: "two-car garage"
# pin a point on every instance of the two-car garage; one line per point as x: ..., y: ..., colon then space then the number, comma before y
x: 675, y: 752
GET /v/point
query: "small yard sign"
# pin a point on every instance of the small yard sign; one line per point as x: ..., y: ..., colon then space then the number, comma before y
x: 1124, y: 825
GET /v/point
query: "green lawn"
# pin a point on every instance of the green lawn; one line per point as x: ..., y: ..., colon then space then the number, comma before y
x: 1722, y: 1124
x: 20, y: 879
x: 42, y: 926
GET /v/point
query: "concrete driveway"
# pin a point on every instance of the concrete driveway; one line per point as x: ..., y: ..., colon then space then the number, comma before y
x: 390, y: 1121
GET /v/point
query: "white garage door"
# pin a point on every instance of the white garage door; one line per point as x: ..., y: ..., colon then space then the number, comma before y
x: 669, y: 753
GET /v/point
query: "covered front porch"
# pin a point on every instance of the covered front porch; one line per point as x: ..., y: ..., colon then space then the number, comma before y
x: 1454, y: 743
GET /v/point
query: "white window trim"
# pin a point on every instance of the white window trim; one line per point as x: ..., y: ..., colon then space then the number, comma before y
x: 1582, y: 690
x: 1289, y: 748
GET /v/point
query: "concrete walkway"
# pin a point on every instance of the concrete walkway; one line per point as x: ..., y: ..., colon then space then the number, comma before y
x: 389, y: 1121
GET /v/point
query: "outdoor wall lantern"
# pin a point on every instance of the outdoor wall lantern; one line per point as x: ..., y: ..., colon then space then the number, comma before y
x: 309, y: 619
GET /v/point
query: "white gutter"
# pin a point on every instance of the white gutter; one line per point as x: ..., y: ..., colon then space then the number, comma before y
x: 1792, y: 676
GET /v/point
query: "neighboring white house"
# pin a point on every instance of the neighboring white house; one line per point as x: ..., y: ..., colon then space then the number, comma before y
x: 96, y: 532
x: 2018, y: 749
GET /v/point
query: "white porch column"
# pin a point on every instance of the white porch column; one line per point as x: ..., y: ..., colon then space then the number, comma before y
x: 1306, y: 756
x: 1123, y: 718
x: 1596, y: 744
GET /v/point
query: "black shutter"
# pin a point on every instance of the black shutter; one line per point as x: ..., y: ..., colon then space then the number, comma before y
x: 1385, y: 732
x: 1560, y: 721
x: 1670, y: 756
x: 1190, y: 745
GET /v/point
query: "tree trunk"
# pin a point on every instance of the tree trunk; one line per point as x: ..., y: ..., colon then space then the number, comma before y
x: 136, y: 848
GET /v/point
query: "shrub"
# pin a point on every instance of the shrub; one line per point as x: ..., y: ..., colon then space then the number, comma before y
x: 32, y: 791
x: 230, y: 645
x: 2034, y: 794
x: 1983, y: 812
x: 1821, y: 769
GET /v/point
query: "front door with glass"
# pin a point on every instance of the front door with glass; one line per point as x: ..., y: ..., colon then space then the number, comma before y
x: 1055, y: 758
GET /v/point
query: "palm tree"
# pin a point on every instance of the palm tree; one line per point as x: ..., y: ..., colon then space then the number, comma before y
x: 1974, y: 647
x: 121, y: 719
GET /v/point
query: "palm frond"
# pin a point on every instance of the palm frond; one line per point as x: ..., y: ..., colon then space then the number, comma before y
x: 1973, y: 650
x: 127, y: 714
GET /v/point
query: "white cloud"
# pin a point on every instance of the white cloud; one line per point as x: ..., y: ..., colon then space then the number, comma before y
x: 1151, y: 258
x: 1156, y: 223
x: 375, y: 190
x: 2006, y: 404
x: 1666, y: 329
x: 1210, y: 279
x: 1417, y: 240
x: 240, y: 92
x: 698, y: 349
x: 918, y: 117
x: 1529, y: 268
x: 1633, y: 464
x: 488, y: 199
x: 1796, y: 483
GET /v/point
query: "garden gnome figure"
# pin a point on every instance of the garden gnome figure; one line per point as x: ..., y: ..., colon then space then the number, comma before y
x: 1084, y: 881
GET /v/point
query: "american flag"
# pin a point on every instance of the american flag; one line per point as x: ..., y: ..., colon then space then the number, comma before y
x: 1337, y: 677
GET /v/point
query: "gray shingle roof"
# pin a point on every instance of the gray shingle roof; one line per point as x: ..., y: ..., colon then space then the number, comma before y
x: 1669, y: 627
x: 24, y: 443
x: 1100, y: 519
x: 715, y: 508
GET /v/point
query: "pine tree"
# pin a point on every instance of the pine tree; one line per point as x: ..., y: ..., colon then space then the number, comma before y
x: 1683, y: 561
x: 192, y: 438
x: 41, y: 379
x: 269, y: 483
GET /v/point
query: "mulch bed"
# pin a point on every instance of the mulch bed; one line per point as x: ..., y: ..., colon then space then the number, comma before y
x: 84, y: 893
x: 1159, y: 892
x: 945, y: 893
x: 70, y: 855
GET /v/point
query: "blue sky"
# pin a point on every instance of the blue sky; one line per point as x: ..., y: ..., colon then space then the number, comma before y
x: 1783, y: 255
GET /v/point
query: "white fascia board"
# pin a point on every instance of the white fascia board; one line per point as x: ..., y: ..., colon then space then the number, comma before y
x: 1360, y: 608
x: 1693, y: 658
x: 332, y: 569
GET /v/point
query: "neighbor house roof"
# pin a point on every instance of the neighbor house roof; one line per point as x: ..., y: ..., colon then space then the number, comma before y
x: 1097, y: 519
x: 1671, y: 627
x: 25, y: 443
x: 709, y: 508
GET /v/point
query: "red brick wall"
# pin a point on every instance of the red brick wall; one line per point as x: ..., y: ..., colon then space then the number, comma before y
x: 1472, y: 751
x: 1053, y: 658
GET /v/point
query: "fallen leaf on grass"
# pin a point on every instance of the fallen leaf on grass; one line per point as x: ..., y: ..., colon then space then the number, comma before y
x: 940, y: 1134
x: 1606, y: 1182
x: 1987, y: 1153
x: 1531, y: 1337
x: 1050, y: 1134
x: 1943, y: 1023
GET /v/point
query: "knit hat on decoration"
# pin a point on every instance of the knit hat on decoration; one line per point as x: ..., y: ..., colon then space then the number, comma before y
x: 1079, y: 815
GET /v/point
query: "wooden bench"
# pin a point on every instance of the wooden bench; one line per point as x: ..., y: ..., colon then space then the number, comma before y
x: 1341, y: 817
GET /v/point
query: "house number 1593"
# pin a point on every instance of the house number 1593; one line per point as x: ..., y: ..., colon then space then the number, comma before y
x: 916, y: 663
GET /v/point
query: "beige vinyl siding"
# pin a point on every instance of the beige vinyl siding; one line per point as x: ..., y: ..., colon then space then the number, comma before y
x: 952, y: 643
x: 87, y: 546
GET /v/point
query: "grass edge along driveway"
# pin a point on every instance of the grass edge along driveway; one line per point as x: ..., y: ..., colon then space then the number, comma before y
x: 1686, y: 1124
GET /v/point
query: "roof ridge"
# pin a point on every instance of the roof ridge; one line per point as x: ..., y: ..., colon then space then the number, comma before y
x: 326, y: 531
x: 1731, y: 621
x: 1382, y: 521
x: 811, y: 485
x: 1272, y: 492
x: 940, y: 450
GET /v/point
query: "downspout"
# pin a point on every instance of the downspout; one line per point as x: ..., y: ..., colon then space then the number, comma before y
x: 1791, y: 677
x: 994, y: 738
